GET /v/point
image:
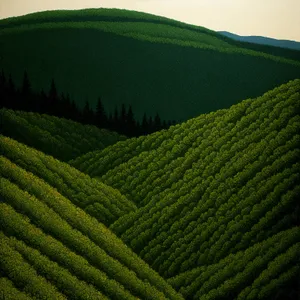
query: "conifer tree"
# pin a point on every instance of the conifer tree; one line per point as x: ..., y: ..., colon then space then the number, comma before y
x: 164, y: 125
x: 87, y: 114
x: 123, y: 119
x: 75, y: 114
x: 131, y: 124
x: 116, y: 120
x: 26, y: 87
x: 101, y: 117
x: 144, y: 126
x: 157, y: 122
x: 53, y: 100
x: 3, y: 90
x: 12, y: 99
x: 43, y: 102
x: 110, y: 121
x: 150, y: 125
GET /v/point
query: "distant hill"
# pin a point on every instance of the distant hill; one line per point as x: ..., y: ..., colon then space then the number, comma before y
x: 155, y: 64
x: 263, y: 40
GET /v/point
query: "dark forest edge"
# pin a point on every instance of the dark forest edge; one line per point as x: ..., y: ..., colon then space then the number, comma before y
x: 122, y: 120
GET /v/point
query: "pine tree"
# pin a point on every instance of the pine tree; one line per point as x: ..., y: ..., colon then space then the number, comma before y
x: 26, y: 87
x: 157, y: 122
x: 3, y: 90
x: 110, y: 122
x: 150, y: 125
x: 164, y: 125
x: 123, y: 120
x: 87, y: 114
x: 12, y: 98
x: 144, y: 126
x: 101, y: 117
x: 43, y: 102
x: 53, y: 100
x: 131, y: 124
x: 28, y: 102
x: 116, y: 120
x: 75, y: 113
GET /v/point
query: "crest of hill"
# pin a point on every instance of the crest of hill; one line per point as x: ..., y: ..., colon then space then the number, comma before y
x: 61, y: 138
x: 52, y: 249
x: 145, y: 61
x: 166, y: 30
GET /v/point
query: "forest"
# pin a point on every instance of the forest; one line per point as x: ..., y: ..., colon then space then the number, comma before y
x: 121, y: 120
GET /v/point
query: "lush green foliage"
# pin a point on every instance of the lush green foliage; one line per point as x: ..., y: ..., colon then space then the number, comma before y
x: 213, y: 186
x: 10, y: 292
x: 59, y: 232
x: 96, y: 198
x: 270, y: 258
x: 212, y: 205
x: 61, y: 138
x: 148, y: 62
x: 121, y: 15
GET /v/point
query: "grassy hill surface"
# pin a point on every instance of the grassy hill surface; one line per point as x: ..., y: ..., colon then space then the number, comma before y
x: 51, y: 249
x: 208, y: 209
x: 214, y: 186
x: 94, y: 197
x: 150, y: 62
x: 61, y: 138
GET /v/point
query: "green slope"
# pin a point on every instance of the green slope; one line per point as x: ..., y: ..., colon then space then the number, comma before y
x: 273, y: 265
x: 51, y: 249
x: 97, y: 199
x: 211, y: 205
x: 61, y: 138
x: 153, y: 63
x: 211, y: 187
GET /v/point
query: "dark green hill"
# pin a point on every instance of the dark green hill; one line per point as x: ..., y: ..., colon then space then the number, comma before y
x: 152, y: 63
x: 61, y: 138
x: 215, y: 186
x: 51, y: 249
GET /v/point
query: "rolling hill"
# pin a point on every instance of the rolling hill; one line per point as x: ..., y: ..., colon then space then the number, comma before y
x: 150, y: 62
x: 263, y: 40
x: 52, y: 249
x: 211, y: 187
x: 96, y: 198
x: 61, y: 138
x: 207, y: 209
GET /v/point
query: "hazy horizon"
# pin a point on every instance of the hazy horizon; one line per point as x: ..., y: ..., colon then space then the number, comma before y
x: 271, y: 18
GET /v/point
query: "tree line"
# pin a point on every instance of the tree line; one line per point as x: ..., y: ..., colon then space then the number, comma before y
x: 122, y: 120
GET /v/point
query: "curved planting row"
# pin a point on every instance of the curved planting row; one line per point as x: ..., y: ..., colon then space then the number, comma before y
x: 98, y: 199
x: 61, y: 242
x: 61, y: 138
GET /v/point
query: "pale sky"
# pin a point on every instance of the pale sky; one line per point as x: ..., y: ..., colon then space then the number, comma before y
x: 271, y: 18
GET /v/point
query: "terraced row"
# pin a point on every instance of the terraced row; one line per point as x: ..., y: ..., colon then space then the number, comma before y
x: 96, y: 198
x: 254, y: 273
x: 61, y: 138
x: 45, y: 236
x: 231, y: 192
